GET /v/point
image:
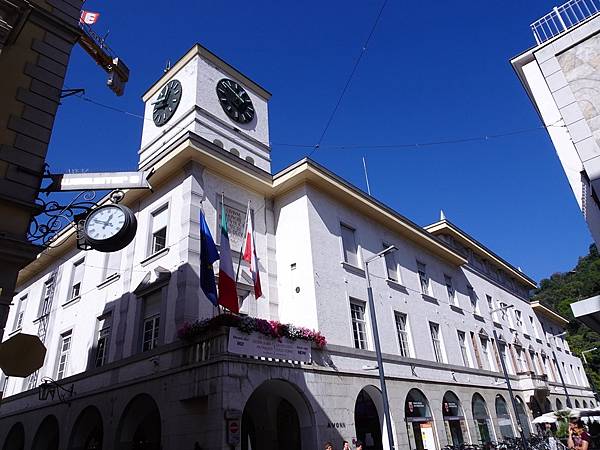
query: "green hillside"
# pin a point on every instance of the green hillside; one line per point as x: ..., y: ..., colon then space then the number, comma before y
x: 562, y: 289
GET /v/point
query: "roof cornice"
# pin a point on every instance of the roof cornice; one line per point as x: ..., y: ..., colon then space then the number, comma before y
x: 445, y: 226
x: 538, y: 308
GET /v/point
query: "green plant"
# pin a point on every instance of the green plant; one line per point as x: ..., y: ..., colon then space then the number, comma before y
x: 562, y: 429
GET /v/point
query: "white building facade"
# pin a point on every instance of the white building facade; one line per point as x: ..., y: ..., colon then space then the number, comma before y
x: 110, y: 321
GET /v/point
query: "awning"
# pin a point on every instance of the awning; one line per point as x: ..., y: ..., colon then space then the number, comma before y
x: 588, y: 312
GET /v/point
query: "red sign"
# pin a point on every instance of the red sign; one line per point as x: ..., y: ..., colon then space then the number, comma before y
x: 234, y: 427
x: 89, y: 17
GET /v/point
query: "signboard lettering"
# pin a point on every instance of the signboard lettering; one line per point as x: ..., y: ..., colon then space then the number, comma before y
x: 255, y: 344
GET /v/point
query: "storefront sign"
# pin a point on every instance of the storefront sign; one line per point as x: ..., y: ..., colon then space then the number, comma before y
x: 255, y: 344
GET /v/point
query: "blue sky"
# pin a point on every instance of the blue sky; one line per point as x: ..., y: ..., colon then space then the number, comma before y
x: 432, y: 71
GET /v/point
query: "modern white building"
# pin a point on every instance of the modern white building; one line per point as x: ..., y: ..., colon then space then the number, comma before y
x: 560, y: 75
x: 110, y: 321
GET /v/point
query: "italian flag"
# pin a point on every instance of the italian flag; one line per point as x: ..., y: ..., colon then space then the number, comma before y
x: 227, y: 289
x: 249, y: 254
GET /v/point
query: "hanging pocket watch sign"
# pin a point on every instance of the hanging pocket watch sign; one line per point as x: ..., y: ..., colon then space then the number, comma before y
x: 109, y: 228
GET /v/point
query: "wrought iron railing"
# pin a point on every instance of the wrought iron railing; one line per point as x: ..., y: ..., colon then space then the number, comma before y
x: 563, y: 17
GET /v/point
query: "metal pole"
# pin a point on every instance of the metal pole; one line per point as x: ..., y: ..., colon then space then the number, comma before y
x: 562, y: 380
x: 386, y: 405
x: 510, y: 391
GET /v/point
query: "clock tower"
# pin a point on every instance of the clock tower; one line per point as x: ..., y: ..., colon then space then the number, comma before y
x: 203, y: 94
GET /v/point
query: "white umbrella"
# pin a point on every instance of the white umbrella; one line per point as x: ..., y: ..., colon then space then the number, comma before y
x: 545, y: 418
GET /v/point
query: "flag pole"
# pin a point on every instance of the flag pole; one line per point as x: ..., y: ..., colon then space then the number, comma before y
x: 237, y: 273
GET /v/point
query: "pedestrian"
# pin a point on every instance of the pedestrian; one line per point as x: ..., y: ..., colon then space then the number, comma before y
x: 345, y: 445
x: 359, y: 445
x: 579, y: 439
x: 328, y: 446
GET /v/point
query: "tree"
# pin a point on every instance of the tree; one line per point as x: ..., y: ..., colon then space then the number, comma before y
x: 562, y: 289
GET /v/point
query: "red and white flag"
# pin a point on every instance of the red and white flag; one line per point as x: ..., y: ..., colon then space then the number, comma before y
x: 249, y: 254
x: 89, y: 17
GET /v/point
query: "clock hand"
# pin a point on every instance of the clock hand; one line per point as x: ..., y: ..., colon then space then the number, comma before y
x: 235, y: 93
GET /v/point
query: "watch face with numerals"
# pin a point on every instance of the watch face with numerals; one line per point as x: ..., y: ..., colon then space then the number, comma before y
x: 235, y: 101
x: 167, y: 102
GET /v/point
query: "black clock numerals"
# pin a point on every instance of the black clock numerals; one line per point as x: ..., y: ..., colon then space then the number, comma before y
x: 167, y: 102
x: 235, y: 101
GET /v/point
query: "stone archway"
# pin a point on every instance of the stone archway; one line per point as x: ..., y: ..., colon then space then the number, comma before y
x: 277, y: 416
x: 47, y: 435
x: 483, y: 423
x: 454, y: 419
x: 368, y: 418
x: 505, y: 422
x: 15, y: 439
x: 523, y: 416
x: 140, y: 425
x: 419, y: 421
x: 87, y: 433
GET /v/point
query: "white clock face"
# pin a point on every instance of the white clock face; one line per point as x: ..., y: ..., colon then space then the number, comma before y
x: 104, y: 223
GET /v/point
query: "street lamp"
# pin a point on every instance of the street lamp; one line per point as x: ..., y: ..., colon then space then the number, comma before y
x: 506, y: 378
x: 386, y: 404
x: 587, y: 351
x: 51, y: 388
x: 562, y: 380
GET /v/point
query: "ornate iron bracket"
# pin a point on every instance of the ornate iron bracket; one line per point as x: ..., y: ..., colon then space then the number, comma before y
x: 50, y: 388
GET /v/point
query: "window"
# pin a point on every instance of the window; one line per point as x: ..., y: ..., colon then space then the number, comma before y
x: 159, y: 229
x: 490, y: 303
x: 519, y: 321
x: 521, y: 364
x: 487, y: 354
x: 391, y: 265
x: 64, y: 350
x: 474, y: 300
x: 103, y: 340
x: 504, y: 356
x: 151, y: 322
x: 76, y: 279
x: 20, y: 312
x: 436, y: 340
x: 464, y: 352
x: 565, y: 373
x: 46, y: 302
x: 536, y: 333
x: 112, y: 265
x: 401, y: 329
x: 452, y: 298
x: 359, y: 325
x: 349, y: 245
x: 423, y: 278
x: 506, y: 315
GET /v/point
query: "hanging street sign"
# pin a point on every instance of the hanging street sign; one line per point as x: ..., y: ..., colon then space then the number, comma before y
x: 98, y: 181
x: 21, y: 355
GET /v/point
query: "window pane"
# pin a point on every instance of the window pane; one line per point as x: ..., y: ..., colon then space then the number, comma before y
x: 159, y: 219
x: 423, y: 278
x: 357, y: 311
x: 402, y: 334
x: 391, y: 264
x: 159, y: 240
x: 349, y: 244
x: 434, y: 329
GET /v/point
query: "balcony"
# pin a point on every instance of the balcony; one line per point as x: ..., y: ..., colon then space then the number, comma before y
x: 537, y: 384
x: 563, y: 18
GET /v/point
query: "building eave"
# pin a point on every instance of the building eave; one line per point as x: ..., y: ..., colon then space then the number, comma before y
x: 309, y: 172
x: 445, y: 226
x: 198, y: 49
x: 538, y: 308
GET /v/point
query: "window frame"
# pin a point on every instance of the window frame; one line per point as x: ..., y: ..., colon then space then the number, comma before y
x: 464, y: 348
x: 403, y: 335
x: 76, y: 280
x: 163, y: 208
x: 356, y: 322
x: 386, y: 260
x: 67, y: 337
x: 438, y: 351
x: 20, y: 312
x: 474, y: 300
x: 346, y: 226
x: 103, y: 332
x: 451, y: 290
x: 424, y: 279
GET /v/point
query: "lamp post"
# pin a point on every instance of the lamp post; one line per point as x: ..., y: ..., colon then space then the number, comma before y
x: 386, y: 405
x: 506, y: 378
x: 591, y: 380
x: 562, y: 380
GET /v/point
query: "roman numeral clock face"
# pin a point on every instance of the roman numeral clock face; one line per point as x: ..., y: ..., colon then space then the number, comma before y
x: 167, y: 102
x: 235, y: 101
